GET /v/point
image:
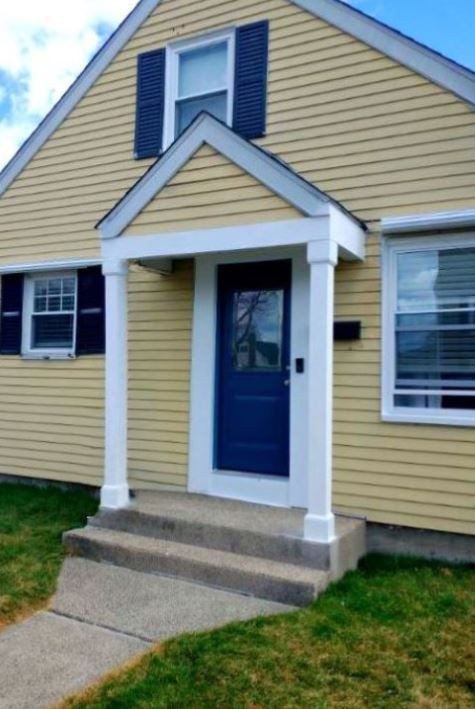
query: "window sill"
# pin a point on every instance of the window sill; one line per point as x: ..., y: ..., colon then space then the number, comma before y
x: 430, y: 418
x: 45, y: 357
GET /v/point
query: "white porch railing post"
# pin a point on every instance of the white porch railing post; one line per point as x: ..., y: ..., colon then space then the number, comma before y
x: 322, y: 256
x: 115, y: 490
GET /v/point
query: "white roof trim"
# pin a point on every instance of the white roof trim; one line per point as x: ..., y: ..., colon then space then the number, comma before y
x: 205, y: 129
x: 439, y: 69
x: 429, y: 222
x: 38, y: 266
x: 77, y: 90
x: 408, y: 52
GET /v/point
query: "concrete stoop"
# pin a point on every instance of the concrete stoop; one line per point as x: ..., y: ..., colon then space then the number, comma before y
x: 250, y: 549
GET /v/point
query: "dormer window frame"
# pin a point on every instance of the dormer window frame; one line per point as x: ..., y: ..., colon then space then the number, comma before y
x: 173, y: 53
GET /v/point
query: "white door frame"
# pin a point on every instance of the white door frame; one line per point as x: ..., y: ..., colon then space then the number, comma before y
x: 203, y: 477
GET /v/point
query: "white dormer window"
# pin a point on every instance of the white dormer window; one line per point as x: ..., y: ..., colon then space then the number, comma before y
x: 200, y: 77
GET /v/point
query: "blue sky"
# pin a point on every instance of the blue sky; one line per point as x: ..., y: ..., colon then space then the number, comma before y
x: 445, y: 25
x: 43, y: 48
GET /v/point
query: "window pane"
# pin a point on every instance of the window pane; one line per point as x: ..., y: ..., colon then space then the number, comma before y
x: 54, y: 304
x: 41, y: 287
x: 68, y: 302
x: 69, y: 285
x: 52, y: 331
x: 424, y: 401
x: 435, y: 329
x: 40, y: 304
x: 258, y: 329
x: 186, y: 111
x: 203, y: 70
x: 436, y: 359
x: 54, y: 286
x: 436, y: 280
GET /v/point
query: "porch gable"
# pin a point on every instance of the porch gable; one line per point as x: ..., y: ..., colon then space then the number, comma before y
x: 210, y: 191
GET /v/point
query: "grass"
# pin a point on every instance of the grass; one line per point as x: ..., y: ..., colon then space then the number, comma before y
x: 31, y: 523
x: 395, y: 633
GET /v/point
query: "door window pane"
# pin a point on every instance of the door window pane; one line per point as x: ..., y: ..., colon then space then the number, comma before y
x: 203, y: 71
x: 258, y: 329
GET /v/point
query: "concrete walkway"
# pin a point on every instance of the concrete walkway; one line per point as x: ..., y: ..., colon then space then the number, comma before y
x: 101, y: 617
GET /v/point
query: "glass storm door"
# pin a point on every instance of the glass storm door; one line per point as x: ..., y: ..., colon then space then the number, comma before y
x: 253, y: 355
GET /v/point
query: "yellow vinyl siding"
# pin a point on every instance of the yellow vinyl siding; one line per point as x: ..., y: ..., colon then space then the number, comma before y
x: 375, y: 135
x: 210, y: 191
x: 159, y: 351
x: 52, y: 419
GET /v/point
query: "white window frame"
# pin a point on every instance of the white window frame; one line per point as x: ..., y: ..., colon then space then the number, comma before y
x: 171, y: 75
x: 28, y: 301
x: 392, y: 246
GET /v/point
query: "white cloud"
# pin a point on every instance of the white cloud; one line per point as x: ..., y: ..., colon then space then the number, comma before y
x: 43, y: 47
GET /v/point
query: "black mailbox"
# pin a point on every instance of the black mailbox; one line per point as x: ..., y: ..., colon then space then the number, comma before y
x: 347, y: 330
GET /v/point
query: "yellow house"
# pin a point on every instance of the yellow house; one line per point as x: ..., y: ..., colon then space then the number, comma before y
x: 238, y: 259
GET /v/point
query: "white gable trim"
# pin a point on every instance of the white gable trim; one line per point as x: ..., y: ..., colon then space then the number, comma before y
x: 408, y: 52
x: 207, y: 130
x: 77, y: 90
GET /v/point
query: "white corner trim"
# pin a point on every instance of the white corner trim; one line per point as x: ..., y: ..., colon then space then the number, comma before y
x: 76, y: 91
x: 38, y: 266
x: 428, y: 222
x: 206, y: 129
x: 408, y: 52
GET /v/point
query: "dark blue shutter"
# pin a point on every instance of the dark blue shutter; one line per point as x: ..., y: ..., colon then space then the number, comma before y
x: 11, y: 318
x: 150, y: 104
x: 250, y: 90
x: 90, y: 329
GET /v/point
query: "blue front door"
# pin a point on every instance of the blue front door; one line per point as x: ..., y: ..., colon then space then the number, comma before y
x: 253, y: 354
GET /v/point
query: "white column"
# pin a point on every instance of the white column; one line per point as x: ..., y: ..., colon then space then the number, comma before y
x: 115, y: 490
x: 322, y: 255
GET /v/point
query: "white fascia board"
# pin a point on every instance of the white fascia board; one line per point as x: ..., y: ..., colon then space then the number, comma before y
x: 38, y: 266
x: 350, y: 236
x: 294, y: 232
x: 429, y: 222
x: 77, y: 90
x: 406, y: 51
x: 224, y: 239
x: 206, y: 129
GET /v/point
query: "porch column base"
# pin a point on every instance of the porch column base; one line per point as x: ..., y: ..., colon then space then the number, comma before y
x: 319, y: 529
x: 115, y: 497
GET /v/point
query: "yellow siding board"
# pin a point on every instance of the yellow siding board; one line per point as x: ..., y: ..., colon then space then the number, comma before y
x: 211, y: 205
x: 160, y: 317
x: 377, y: 136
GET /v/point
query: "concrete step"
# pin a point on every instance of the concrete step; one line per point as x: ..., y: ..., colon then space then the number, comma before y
x: 242, y: 528
x: 261, y: 578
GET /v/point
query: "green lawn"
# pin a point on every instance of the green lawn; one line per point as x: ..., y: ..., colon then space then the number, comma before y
x: 396, y: 633
x: 31, y: 523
